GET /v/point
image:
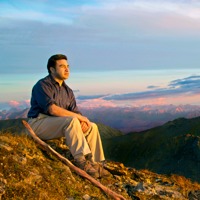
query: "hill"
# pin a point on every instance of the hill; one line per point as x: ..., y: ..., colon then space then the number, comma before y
x: 173, y: 148
x: 27, y: 172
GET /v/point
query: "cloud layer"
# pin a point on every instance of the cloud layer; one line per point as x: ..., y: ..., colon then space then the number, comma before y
x: 187, y: 87
x: 105, y: 35
x: 178, y: 91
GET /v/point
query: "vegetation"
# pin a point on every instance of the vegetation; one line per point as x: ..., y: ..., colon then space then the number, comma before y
x: 173, y: 148
x: 27, y: 172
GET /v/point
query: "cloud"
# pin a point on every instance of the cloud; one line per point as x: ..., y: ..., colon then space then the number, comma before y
x: 87, y: 97
x: 95, y: 103
x: 191, y: 82
x: 130, y: 30
x: 187, y: 86
x: 15, y: 104
x: 152, y: 87
x: 105, y: 17
x: 156, y: 17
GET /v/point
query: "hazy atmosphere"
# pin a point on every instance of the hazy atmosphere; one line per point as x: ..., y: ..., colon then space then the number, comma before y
x: 121, y: 53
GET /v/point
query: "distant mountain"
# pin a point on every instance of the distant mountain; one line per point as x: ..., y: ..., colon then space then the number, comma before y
x: 125, y: 119
x: 108, y: 132
x: 12, y: 125
x: 13, y: 113
x: 173, y: 148
x: 140, y: 118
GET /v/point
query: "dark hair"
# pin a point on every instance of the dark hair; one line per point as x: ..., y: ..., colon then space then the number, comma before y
x: 52, y: 61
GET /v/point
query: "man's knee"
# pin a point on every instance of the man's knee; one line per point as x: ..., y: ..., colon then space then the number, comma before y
x: 94, y: 126
x: 75, y: 121
x: 94, y: 130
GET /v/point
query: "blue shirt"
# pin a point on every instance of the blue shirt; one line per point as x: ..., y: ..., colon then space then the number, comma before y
x: 47, y: 92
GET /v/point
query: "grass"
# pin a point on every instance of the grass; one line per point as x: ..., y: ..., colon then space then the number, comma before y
x: 29, y: 173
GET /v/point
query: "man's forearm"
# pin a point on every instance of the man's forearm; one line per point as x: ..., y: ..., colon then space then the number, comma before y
x: 60, y: 112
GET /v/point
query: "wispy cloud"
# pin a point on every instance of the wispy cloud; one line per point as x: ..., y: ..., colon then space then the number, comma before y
x: 86, y: 97
x: 189, y: 83
x: 109, y: 14
x: 152, y: 87
x: 187, y: 86
x: 95, y: 103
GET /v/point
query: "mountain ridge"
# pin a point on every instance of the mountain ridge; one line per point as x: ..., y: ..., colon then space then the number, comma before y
x: 171, y: 148
x: 125, y: 119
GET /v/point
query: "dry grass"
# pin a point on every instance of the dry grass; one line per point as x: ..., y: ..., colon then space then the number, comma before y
x: 185, y: 184
x: 26, y: 172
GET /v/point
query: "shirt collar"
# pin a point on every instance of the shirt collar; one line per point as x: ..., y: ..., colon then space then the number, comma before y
x: 55, y: 82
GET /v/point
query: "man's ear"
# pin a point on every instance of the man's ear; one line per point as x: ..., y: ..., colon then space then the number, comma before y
x: 52, y: 69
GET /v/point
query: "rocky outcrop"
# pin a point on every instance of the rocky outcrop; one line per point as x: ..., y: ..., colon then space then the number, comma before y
x: 143, y: 184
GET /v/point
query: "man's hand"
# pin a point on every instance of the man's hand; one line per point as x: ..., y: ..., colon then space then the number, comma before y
x: 61, y: 112
x: 85, y: 123
x: 84, y: 127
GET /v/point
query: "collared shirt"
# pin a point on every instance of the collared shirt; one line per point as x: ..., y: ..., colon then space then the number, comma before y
x: 47, y: 92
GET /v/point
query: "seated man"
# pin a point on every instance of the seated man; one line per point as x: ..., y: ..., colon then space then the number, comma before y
x: 54, y: 114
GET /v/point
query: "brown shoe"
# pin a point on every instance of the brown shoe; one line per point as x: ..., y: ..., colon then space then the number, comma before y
x: 102, y: 172
x: 85, y: 165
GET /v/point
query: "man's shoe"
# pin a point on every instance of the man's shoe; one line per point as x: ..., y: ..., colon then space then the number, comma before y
x: 98, y: 166
x: 102, y: 172
x: 85, y: 165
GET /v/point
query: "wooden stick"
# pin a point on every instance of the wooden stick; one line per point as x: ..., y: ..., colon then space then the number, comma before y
x: 77, y: 170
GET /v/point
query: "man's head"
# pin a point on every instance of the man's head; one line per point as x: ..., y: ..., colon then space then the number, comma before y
x: 53, y: 59
x: 58, y: 67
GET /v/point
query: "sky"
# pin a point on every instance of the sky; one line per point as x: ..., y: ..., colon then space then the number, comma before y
x: 121, y: 52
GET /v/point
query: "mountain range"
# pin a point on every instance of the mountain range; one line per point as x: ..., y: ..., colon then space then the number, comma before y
x: 125, y: 119
x: 173, y: 148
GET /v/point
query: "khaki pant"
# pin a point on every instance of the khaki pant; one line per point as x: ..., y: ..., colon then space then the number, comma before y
x: 50, y: 127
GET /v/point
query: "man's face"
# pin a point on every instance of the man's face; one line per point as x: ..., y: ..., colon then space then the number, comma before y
x: 61, y: 70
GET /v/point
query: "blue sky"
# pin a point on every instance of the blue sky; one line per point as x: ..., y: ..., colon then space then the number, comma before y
x: 114, y: 47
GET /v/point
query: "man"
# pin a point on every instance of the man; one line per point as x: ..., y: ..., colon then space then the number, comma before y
x: 54, y: 114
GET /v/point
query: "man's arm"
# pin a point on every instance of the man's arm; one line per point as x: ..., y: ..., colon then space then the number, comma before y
x: 61, y: 112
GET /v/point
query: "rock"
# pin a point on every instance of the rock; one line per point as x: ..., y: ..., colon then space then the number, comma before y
x: 86, y: 197
x: 194, y: 195
x: 139, y: 187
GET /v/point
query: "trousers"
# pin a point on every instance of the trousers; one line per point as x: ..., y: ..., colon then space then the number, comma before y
x: 50, y: 127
